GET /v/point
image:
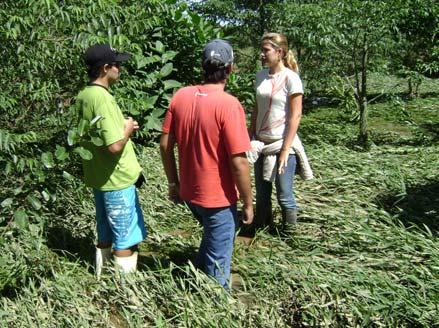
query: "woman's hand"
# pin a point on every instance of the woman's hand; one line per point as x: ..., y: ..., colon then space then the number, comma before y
x: 283, y: 160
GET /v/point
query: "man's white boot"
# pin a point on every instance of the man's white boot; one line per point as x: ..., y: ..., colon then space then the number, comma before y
x: 126, y: 264
x: 103, y: 255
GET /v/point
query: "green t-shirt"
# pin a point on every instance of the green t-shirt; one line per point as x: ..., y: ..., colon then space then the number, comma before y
x: 106, y: 171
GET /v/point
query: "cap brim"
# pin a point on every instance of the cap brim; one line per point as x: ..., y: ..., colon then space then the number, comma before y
x: 121, y: 57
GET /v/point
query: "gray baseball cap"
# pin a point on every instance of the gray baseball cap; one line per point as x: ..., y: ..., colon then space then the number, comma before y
x: 217, y: 53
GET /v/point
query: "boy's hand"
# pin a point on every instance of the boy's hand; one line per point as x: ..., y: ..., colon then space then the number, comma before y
x: 131, y: 125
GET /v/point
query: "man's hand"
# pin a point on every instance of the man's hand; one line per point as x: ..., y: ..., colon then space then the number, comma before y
x: 174, y: 193
x: 247, y: 214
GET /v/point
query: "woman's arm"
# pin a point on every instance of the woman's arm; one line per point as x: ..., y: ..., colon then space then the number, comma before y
x: 292, y: 126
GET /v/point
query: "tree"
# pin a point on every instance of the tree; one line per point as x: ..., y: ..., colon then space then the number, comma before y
x: 417, y: 37
x: 42, y: 70
x: 243, y: 21
x: 348, y: 37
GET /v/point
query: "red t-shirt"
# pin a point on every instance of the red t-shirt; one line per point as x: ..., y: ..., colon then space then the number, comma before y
x: 209, y: 126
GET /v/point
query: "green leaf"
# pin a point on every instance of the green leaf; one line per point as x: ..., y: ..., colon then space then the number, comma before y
x: 159, y: 46
x: 7, y: 202
x: 45, y: 195
x: 18, y: 190
x: 72, y: 137
x: 141, y: 61
x: 97, y: 141
x: 21, y: 219
x: 67, y: 176
x: 171, y: 84
x: 36, y: 204
x: 84, y: 153
x: 168, y: 55
x: 60, y: 153
x: 83, y: 127
x: 47, y: 159
x: 166, y: 70
x: 153, y: 123
x: 150, y: 102
x: 95, y: 120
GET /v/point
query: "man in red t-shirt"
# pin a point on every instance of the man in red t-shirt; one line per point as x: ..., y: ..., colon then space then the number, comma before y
x: 208, y: 125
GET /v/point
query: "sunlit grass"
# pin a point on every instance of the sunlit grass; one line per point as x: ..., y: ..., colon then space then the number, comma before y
x: 365, y: 253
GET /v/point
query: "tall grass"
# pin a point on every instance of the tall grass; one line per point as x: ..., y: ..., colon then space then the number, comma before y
x: 365, y: 253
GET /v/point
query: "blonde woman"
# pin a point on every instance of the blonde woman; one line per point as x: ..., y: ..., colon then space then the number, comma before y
x: 274, y: 124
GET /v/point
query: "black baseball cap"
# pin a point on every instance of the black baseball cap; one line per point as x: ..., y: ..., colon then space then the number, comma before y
x: 101, y: 54
x: 217, y: 53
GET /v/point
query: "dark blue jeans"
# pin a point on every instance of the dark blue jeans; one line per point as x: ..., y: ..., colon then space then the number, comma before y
x: 284, y: 185
x: 216, y: 248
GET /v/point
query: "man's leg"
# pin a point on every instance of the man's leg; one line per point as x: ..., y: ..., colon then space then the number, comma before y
x: 216, y: 249
x: 126, y: 221
x: 201, y: 254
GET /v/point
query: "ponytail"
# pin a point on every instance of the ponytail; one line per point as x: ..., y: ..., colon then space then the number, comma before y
x: 291, y: 62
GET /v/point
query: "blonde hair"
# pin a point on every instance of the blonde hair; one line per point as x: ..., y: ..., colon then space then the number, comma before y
x: 278, y: 40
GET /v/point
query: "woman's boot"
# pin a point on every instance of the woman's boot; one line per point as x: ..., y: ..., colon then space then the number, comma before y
x: 289, y: 218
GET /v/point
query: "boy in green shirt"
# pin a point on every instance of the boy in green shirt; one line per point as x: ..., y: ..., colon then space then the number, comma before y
x: 114, y: 169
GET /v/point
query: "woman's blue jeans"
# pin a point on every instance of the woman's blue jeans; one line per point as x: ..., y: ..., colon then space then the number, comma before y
x: 284, y: 188
x: 216, y: 248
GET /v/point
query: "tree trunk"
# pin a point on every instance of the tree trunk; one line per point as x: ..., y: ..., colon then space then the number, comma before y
x: 363, y: 137
x: 410, y: 83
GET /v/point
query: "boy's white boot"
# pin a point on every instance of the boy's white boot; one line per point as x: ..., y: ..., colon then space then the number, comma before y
x: 126, y: 264
x: 103, y: 255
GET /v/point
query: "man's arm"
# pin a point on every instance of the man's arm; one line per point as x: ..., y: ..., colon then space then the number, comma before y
x: 241, y: 174
x: 130, y: 127
x: 252, y: 128
x: 167, y: 142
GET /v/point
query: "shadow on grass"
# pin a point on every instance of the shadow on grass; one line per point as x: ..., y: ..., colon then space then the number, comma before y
x: 419, y: 206
x: 158, y: 257
x: 63, y: 242
x: 170, y: 258
x: 433, y: 129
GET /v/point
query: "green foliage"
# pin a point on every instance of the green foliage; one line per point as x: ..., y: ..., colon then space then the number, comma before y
x: 241, y: 85
x: 243, y: 22
x: 417, y: 36
x: 43, y: 42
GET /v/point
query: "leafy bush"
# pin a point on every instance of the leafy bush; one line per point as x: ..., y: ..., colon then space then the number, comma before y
x: 43, y: 42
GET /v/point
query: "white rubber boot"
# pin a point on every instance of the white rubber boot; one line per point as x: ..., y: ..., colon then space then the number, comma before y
x: 126, y: 264
x: 103, y: 255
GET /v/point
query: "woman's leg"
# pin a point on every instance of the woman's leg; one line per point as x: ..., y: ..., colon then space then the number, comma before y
x: 263, y: 215
x: 285, y: 192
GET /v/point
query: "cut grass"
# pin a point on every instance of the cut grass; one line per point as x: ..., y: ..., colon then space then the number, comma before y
x: 365, y: 253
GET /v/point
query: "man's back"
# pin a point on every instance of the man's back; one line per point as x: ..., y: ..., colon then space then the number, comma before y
x: 209, y: 126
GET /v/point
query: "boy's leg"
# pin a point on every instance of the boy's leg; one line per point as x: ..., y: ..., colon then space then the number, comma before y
x: 126, y: 221
x: 103, y: 247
